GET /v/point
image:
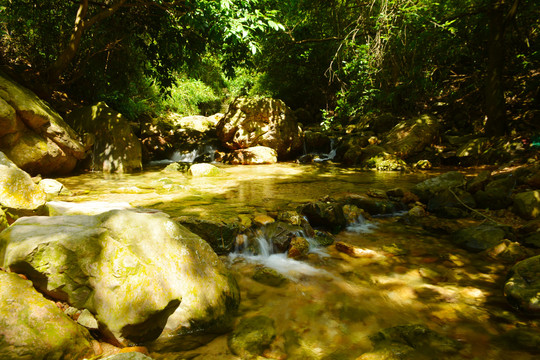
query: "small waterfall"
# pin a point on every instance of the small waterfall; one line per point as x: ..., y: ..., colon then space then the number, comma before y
x: 330, y: 156
x: 361, y: 226
x: 189, y: 157
x: 262, y: 250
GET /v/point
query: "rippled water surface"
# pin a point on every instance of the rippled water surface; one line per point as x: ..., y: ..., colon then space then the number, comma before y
x: 332, y: 302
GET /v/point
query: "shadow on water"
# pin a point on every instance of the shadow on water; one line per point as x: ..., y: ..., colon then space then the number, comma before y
x: 415, y: 278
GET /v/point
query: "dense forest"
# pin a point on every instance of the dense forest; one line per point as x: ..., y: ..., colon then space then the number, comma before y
x: 474, y: 61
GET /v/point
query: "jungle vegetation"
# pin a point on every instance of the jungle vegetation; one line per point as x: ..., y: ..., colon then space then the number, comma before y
x: 478, y: 61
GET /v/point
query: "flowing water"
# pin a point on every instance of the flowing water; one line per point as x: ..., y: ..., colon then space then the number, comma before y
x: 332, y: 303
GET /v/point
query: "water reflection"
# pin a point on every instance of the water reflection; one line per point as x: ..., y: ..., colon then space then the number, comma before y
x: 332, y: 303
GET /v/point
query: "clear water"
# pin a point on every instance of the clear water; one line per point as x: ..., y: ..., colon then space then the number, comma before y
x: 331, y: 301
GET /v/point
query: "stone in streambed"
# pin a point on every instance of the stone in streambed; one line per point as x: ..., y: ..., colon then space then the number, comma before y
x: 522, y: 287
x: 32, y: 327
x: 145, y: 278
x: 252, y: 336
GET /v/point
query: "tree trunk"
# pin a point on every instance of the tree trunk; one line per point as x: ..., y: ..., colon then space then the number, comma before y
x: 81, y: 24
x: 494, y: 101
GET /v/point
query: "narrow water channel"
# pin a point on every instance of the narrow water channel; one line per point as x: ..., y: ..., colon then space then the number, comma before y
x: 332, y: 303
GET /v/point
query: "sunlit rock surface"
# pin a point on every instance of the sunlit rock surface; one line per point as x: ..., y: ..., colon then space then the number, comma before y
x: 33, y: 135
x: 527, y: 204
x: 17, y: 190
x: 32, y: 327
x: 146, y: 278
x: 254, y: 155
x: 205, y: 170
x: 260, y: 121
x: 522, y: 289
x: 115, y: 148
x: 410, y: 137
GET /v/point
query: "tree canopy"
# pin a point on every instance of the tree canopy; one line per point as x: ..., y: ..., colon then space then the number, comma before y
x: 476, y: 59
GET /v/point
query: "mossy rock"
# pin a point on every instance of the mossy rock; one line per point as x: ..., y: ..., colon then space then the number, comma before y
x: 522, y: 287
x: 252, y: 336
x: 32, y: 327
x: 478, y: 238
x: 205, y: 170
x: 269, y: 277
x: 527, y: 204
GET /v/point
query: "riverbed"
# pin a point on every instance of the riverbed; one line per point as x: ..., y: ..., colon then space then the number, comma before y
x: 332, y: 303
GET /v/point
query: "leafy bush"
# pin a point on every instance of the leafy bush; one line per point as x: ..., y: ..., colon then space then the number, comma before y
x: 190, y: 97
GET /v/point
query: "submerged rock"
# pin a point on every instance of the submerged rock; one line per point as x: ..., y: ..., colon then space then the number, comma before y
x: 326, y: 215
x: 411, y: 342
x: 270, y: 277
x: 32, y: 327
x: 145, y: 278
x: 252, y: 336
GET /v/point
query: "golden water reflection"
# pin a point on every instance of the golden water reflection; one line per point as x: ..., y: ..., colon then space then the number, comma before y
x: 332, y: 314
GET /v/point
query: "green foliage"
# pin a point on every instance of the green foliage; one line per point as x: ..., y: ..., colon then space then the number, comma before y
x: 187, y: 96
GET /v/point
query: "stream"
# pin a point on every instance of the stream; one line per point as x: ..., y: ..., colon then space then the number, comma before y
x: 331, y: 303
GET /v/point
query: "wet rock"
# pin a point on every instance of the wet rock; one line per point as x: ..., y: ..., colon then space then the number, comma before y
x: 373, y: 206
x: 478, y: 182
x: 417, y: 212
x: 413, y: 341
x: 252, y: 336
x: 386, y: 162
x: 430, y: 187
x: 325, y: 215
x: 507, y: 252
x: 410, y: 137
x: 177, y: 167
x: 527, y: 204
x: 205, y: 170
x: 298, y: 248
x: 262, y: 219
x: 279, y: 234
x: 523, y: 285
x: 270, y: 277
x: 496, y: 195
x: 451, y: 204
x: 438, y: 225
x: 17, y: 190
x: 423, y: 165
x: 32, y: 327
x: 113, y: 263
x: 52, y: 187
x: 479, y: 238
x: 33, y: 135
x: 323, y: 238
x: 116, y: 148
x: 353, y: 214
x: 220, y: 235
x: 260, y: 121
x: 255, y: 155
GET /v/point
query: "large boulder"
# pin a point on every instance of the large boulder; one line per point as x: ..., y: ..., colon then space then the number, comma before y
x: 255, y: 155
x: 522, y: 287
x: 431, y: 187
x: 260, y: 121
x: 147, y: 279
x: 32, y: 327
x: 527, y: 204
x: 33, y: 135
x: 116, y: 148
x: 17, y: 190
x: 497, y: 194
x: 411, y: 137
x: 479, y: 238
